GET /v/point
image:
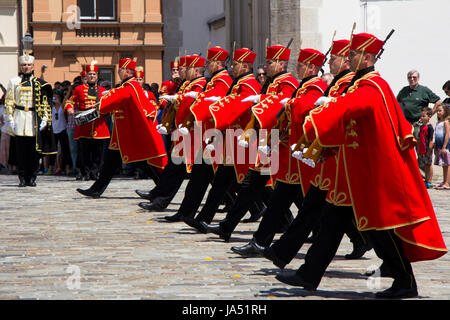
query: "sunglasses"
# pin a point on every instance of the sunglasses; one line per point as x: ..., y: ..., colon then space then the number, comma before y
x: 261, y: 74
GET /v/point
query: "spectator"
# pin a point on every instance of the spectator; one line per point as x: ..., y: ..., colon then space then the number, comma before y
x: 261, y: 75
x: 59, y: 125
x: 414, y: 97
x: 425, y: 146
x: 442, y: 144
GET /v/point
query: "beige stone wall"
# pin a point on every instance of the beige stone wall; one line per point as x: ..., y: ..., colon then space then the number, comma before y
x: 8, y: 40
x: 137, y: 32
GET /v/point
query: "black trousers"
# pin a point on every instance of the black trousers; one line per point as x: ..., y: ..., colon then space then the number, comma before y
x: 334, y: 222
x: 201, y: 176
x: 90, y: 153
x: 63, y: 139
x: 277, y: 213
x: 169, y: 183
x: 251, y: 190
x: 307, y: 220
x: 224, y: 180
x: 308, y: 216
x: 27, y: 158
x: 111, y: 165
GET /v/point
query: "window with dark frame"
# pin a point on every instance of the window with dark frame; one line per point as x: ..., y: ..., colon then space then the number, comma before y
x: 97, y: 10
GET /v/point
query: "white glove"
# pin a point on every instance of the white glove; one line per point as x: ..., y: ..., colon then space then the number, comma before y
x: 184, y: 131
x: 192, y: 94
x: 283, y: 102
x: 309, y: 162
x: 210, y: 147
x: 297, y: 155
x: 293, y: 146
x: 12, y: 125
x: 42, y: 125
x: 321, y: 101
x: 264, y: 149
x: 243, y: 143
x: 105, y: 92
x: 214, y: 99
x: 253, y: 99
x: 161, y: 129
x: 169, y: 98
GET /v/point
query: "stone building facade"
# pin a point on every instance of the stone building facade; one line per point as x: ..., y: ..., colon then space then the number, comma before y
x: 69, y: 34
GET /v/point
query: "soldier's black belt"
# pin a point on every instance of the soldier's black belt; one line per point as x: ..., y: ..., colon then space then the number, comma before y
x: 24, y: 108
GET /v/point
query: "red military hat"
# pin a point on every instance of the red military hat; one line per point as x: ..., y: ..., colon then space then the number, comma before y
x: 127, y: 63
x: 278, y: 53
x: 217, y: 54
x: 311, y: 56
x: 183, y: 61
x: 174, y: 64
x: 92, y: 67
x: 244, y: 55
x: 139, y: 72
x: 340, y: 47
x: 195, y: 61
x: 366, y: 42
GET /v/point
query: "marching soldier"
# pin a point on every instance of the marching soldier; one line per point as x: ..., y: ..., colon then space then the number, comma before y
x: 90, y: 137
x: 328, y: 183
x: 398, y: 216
x: 291, y: 179
x: 229, y: 112
x: 280, y: 85
x: 174, y: 173
x: 196, y: 114
x: 28, y: 114
x: 139, y: 140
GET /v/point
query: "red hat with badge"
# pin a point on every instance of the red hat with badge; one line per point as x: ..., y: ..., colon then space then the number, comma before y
x: 127, y: 63
x: 365, y: 42
x: 311, y: 56
x: 92, y: 67
x: 244, y: 55
x: 139, y: 72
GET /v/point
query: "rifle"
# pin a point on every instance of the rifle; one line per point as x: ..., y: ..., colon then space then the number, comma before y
x: 382, y: 48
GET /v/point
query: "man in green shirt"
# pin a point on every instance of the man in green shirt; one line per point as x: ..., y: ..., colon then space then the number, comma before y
x: 415, y: 97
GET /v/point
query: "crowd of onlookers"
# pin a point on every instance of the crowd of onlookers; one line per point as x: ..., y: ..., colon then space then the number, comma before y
x: 433, y: 143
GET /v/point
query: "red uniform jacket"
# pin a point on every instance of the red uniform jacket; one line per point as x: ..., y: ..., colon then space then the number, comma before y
x: 230, y: 113
x: 80, y: 100
x: 182, y: 104
x: 385, y: 184
x: 133, y: 135
x: 152, y: 110
x: 291, y: 170
x: 282, y: 86
x: 328, y: 176
x: 217, y: 86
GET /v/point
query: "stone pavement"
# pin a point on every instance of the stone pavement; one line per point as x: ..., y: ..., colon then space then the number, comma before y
x: 57, y: 244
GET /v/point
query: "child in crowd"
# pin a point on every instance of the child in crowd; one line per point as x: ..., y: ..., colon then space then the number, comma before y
x: 425, y: 145
x: 442, y: 144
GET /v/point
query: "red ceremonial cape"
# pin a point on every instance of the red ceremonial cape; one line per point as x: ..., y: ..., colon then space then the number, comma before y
x: 133, y: 135
x: 385, y: 184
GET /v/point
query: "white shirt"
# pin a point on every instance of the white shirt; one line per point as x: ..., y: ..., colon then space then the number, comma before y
x: 59, y: 124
